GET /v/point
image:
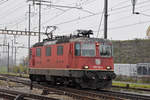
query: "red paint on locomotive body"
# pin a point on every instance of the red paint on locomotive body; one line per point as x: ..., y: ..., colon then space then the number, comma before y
x: 76, y: 60
x: 68, y: 59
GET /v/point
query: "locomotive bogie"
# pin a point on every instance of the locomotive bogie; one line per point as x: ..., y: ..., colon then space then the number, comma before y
x: 84, y: 78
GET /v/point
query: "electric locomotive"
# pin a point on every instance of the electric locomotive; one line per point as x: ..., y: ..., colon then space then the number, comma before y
x: 76, y: 60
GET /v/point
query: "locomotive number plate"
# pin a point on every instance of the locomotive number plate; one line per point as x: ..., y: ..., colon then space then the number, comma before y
x: 95, y: 67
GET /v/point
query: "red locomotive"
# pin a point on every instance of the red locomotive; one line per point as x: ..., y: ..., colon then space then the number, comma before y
x: 73, y: 60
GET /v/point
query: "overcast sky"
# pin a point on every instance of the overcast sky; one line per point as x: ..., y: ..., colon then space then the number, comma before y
x: 122, y: 24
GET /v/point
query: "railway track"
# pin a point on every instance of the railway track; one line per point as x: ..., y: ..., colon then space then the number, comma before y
x: 16, y: 95
x: 74, y: 93
x: 129, y: 96
x: 139, y: 89
x: 85, y: 94
x: 121, y: 87
x: 106, y: 94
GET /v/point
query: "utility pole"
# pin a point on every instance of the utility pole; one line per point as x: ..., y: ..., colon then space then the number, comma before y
x: 8, y: 59
x: 133, y: 4
x: 12, y: 52
x: 40, y: 21
x: 15, y: 55
x: 15, y: 50
x: 46, y: 3
x: 105, y: 18
x: 29, y: 31
x: 4, y: 43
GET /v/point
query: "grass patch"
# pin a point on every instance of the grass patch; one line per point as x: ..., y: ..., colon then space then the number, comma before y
x: 3, y: 69
x: 20, y: 70
x: 132, y: 85
x: 17, y: 74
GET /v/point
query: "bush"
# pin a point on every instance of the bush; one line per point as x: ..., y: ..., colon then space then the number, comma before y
x: 20, y: 69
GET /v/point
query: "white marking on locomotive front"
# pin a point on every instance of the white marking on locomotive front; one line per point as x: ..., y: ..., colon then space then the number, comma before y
x: 97, y: 61
x: 97, y: 67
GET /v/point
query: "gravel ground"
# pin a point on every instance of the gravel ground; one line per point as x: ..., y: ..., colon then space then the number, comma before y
x: 22, y: 88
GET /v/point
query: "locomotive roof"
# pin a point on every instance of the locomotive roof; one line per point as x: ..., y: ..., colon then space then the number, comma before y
x: 67, y: 40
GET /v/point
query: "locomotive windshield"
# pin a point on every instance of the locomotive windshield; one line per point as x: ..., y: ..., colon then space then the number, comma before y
x: 88, y: 49
x: 105, y: 50
x: 85, y: 49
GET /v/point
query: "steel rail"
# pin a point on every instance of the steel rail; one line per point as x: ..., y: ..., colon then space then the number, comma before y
x: 74, y: 93
x: 91, y: 94
x: 23, y: 95
x: 125, y: 95
x: 140, y: 89
x: 7, y: 96
x: 122, y: 87
x: 102, y: 94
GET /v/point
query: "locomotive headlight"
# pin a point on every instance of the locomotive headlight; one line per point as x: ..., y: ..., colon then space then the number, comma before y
x: 108, y: 67
x: 86, y: 67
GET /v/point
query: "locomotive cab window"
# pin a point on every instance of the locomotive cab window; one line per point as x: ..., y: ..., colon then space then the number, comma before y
x: 77, y: 49
x: 48, y: 51
x: 88, y: 49
x: 59, y: 50
x: 105, y: 50
x: 38, y: 51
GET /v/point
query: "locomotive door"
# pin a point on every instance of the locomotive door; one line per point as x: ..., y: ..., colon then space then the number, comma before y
x: 73, y: 61
x: 33, y: 60
x: 70, y: 56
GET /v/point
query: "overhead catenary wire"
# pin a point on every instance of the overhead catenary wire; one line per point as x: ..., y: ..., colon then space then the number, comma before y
x: 10, y: 12
x: 123, y: 7
x: 117, y: 9
x: 84, y: 10
x: 110, y: 28
x: 99, y: 27
x: 10, y: 7
x: 76, y: 19
x: 127, y: 10
x: 126, y: 26
x: 128, y: 16
x: 69, y: 21
x: 119, y: 4
x: 19, y: 20
x: 79, y: 19
x: 3, y: 1
x: 57, y: 16
x: 87, y: 0
x: 129, y: 25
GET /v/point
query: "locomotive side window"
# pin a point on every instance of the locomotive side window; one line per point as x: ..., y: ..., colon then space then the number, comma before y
x: 105, y: 50
x: 38, y: 51
x: 59, y: 50
x: 48, y: 51
x: 77, y: 49
x: 88, y: 49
